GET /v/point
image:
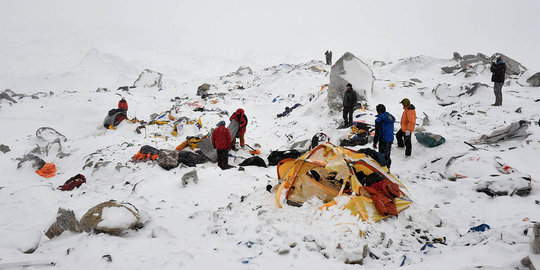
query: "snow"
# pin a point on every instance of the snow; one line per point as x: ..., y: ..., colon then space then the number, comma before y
x: 116, y: 217
x: 228, y: 220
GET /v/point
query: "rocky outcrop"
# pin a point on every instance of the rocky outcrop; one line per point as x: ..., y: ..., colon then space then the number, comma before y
x: 534, y: 80
x: 244, y: 70
x: 349, y: 69
x: 203, y: 89
x: 148, y: 78
x: 65, y: 221
x: 470, y: 64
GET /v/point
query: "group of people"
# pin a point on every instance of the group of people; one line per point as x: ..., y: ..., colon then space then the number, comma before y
x: 222, y: 141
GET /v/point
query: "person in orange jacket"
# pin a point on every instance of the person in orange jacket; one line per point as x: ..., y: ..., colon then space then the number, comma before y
x: 408, y: 122
x: 221, y: 140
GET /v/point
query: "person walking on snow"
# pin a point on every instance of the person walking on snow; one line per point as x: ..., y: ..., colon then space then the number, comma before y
x: 384, y: 133
x: 328, y: 55
x: 408, y: 122
x: 498, y: 68
x: 221, y: 140
x: 349, y: 101
x: 242, y: 120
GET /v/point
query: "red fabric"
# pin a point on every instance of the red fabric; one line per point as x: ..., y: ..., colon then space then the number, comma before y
x: 241, y: 118
x: 221, y: 138
x: 122, y: 104
x: 73, y: 182
x: 387, y: 188
x: 120, y: 118
x: 383, y: 204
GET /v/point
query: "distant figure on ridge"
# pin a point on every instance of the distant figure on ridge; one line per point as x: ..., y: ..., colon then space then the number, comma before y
x: 221, y: 140
x: 384, y: 133
x: 408, y: 122
x: 498, y: 68
x: 242, y: 120
x: 349, y: 101
x: 328, y: 55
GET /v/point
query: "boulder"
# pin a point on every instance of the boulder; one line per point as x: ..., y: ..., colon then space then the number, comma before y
x: 456, y: 56
x: 191, y: 176
x: 244, y: 70
x: 203, y: 89
x: 4, y: 148
x: 535, y: 240
x: 534, y: 80
x: 349, y: 69
x: 148, y: 78
x: 168, y: 159
x: 110, y: 217
x: 65, y: 221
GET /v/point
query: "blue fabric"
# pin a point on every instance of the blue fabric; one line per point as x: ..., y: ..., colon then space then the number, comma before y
x: 500, y: 61
x: 387, y: 126
x: 480, y: 228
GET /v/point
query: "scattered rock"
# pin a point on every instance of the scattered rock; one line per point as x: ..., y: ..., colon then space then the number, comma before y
x: 416, y: 80
x: 149, y: 78
x: 359, y: 262
x: 37, y: 162
x: 203, y: 89
x: 349, y: 69
x: 378, y: 63
x: 110, y: 217
x: 534, y: 80
x: 6, y: 95
x: 528, y: 263
x: 4, y: 148
x: 535, y: 241
x: 123, y: 88
x: 244, y: 70
x: 190, y: 177
x: 168, y: 159
x: 107, y: 258
x: 65, y: 221
x: 450, y: 70
x: 102, y: 89
x: 456, y: 56
x: 283, y: 251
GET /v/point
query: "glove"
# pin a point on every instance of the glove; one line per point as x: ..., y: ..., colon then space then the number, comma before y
x: 374, y: 145
x: 407, y: 133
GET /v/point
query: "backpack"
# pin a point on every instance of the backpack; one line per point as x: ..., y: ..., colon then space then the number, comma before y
x: 191, y: 159
x: 358, y: 139
x: 147, y: 152
x: 253, y: 161
x: 73, y: 182
x: 276, y: 156
x: 428, y: 139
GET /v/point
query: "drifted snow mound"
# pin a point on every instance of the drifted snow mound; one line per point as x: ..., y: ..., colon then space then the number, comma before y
x: 349, y: 69
x: 110, y: 217
x: 149, y: 78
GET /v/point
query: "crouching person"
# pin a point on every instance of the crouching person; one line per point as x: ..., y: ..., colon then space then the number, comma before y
x: 115, y: 116
x: 221, y: 140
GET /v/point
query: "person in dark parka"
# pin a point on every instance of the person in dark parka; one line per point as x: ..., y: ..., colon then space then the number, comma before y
x: 349, y: 101
x: 384, y: 133
x: 221, y: 140
x: 498, y: 68
x: 328, y: 55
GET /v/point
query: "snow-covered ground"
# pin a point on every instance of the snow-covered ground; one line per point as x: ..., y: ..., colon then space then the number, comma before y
x: 57, y: 60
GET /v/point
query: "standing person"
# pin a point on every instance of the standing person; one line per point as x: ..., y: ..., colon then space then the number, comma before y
x: 221, y: 140
x: 328, y: 55
x: 242, y: 120
x: 384, y: 133
x: 498, y: 68
x: 408, y: 121
x: 349, y: 101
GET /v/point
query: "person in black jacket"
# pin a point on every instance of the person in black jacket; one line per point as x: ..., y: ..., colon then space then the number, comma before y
x: 328, y: 55
x: 349, y: 101
x: 498, y: 68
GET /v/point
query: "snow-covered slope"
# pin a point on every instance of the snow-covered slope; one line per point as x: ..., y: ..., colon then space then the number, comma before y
x: 228, y: 220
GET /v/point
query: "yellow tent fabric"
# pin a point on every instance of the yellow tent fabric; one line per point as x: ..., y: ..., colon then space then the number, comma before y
x: 328, y: 171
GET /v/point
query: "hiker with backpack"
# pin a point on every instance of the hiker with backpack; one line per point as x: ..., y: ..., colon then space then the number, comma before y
x: 242, y: 120
x: 408, y: 122
x: 115, y: 116
x: 221, y: 141
x: 384, y: 133
x: 498, y: 68
x: 349, y: 101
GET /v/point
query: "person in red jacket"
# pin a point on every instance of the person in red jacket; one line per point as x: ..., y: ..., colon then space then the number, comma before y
x: 221, y: 140
x: 242, y: 120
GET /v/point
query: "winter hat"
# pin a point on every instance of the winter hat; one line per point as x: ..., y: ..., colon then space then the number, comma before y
x: 221, y: 123
x: 349, y: 85
x: 406, y: 102
x: 381, y: 108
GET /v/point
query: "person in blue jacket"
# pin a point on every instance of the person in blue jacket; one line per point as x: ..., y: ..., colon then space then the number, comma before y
x: 384, y: 133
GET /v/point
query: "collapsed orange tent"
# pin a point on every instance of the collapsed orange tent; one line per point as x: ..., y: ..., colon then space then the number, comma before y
x: 330, y: 171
